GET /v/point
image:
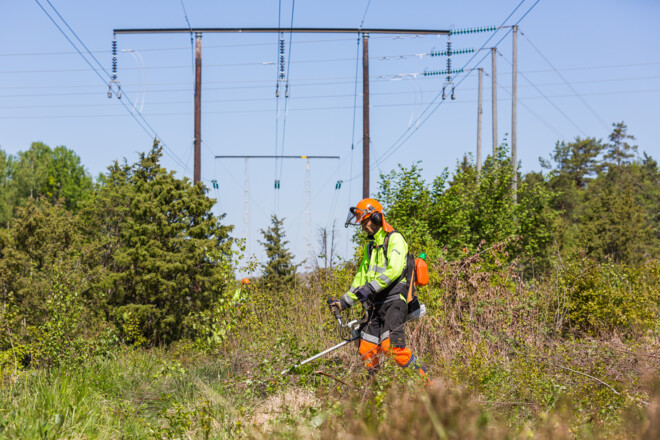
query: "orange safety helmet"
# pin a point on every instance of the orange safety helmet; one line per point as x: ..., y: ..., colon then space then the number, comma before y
x: 365, y: 208
x: 245, y: 281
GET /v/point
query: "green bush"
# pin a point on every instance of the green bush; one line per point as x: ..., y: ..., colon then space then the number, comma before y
x: 601, y: 299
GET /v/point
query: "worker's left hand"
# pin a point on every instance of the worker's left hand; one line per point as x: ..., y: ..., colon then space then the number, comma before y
x: 365, y: 293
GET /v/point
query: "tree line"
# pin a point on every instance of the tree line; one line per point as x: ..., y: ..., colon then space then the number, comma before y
x: 137, y: 256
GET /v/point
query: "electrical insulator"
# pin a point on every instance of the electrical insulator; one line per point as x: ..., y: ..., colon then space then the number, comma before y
x: 286, y: 93
x: 277, y: 90
x: 453, y: 94
x: 282, y: 70
x: 109, y: 91
x: 444, y: 94
x: 118, y: 92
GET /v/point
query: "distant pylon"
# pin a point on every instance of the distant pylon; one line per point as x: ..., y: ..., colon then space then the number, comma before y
x: 246, y: 208
x: 308, y: 207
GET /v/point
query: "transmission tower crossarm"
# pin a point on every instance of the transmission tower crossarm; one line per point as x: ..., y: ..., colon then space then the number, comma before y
x: 285, y: 29
x: 273, y: 157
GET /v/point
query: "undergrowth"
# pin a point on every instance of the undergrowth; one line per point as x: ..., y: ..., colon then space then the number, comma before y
x: 509, y: 359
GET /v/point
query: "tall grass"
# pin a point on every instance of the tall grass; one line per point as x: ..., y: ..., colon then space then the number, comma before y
x: 507, y: 362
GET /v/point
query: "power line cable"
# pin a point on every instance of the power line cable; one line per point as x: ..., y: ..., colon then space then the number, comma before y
x: 547, y: 98
x: 192, y: 43
x: 345, y: 107
x: 365, y: 13
x: 542, y: 120
x: 188, y: 89
x: 428, y: 111
x: 141, y: 121
x: 286, y: 92
x: 611, y: 66
x: 586, y: 104
x: 170, y: 49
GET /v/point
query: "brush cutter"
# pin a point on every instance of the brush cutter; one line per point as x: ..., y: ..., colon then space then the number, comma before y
x: 416, y: 312
x: 353, y: 326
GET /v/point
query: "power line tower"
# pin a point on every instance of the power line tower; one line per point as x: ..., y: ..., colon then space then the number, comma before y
x: 308, y: 207
x: 246, y: 207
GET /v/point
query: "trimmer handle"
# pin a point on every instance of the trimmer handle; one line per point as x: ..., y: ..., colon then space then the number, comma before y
x: 334, y: 309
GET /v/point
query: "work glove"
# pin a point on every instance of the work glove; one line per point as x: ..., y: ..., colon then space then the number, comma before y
x: 365, y: 294
x: 335, y: 307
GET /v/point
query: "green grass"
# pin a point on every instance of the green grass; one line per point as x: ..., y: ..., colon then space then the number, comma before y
x: 499, y: 370
x: 138, y: 394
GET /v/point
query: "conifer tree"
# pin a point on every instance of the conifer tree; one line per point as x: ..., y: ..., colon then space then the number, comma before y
x: 619, y: 151
x: 279, y: 269
x: 161, y: 251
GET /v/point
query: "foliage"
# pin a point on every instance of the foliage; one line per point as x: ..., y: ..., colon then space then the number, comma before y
x: 606, y: 298
x: 619, y: 151
x: 608, y: 203
x: 469, y: 210
x: 54, y: 174
x: 279, y: 269
x: 542, y: 311
x: 159, y: 254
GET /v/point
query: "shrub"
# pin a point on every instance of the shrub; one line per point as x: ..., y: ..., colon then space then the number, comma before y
x: 601, y: 299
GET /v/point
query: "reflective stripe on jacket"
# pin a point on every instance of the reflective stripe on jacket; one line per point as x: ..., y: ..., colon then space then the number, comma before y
x: 385, y: 275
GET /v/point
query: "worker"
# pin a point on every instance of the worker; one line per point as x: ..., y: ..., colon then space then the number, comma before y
x: 241, y: 293
x: 380, y: 285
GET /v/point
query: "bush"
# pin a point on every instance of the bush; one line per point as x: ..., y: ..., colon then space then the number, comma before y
x: 602, y: 299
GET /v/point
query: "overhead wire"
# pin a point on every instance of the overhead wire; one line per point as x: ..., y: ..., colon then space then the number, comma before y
x: 188, y: 89
x: 611, y: 66
x: 192, y: 42
x: 170, y: 49
x: 547, y: 98
x: 522, y: 86
x: 286, y: 92
x: 586, y: 104
x: 432, y: 107
x: 536, y: 115
x: 319, y: 97
x: 142, y: 122
x: 345, y: 107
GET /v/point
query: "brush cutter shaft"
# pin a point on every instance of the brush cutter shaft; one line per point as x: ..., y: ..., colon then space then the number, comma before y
x: 316, y: 356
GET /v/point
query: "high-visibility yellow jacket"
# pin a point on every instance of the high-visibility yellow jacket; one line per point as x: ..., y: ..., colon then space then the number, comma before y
x: 386, y: 276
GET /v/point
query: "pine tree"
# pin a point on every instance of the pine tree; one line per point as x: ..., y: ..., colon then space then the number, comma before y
x: 619, y: 151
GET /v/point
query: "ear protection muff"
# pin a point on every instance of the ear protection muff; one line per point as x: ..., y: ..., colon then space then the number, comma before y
x: 377, y: 217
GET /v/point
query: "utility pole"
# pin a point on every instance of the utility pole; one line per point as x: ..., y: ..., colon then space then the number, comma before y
x: 198, y: 109
x: 494, y: 56
x: 514, y: 114
x: 479, y: 111
x: 198, y: 72
x: 365, y: 115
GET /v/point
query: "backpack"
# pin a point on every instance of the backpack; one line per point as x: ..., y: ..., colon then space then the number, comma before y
x: 416, y: 268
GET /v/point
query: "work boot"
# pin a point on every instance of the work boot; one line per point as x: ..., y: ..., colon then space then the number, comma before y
x: 414, y: 363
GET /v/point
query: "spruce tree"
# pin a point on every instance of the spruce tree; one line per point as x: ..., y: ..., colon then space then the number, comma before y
x: 279, y: 269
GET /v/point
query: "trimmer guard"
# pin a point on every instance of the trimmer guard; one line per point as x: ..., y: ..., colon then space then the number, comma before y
x: 415, y: 310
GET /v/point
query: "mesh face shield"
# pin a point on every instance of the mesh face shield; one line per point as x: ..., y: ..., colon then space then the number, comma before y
x: 356, y: 216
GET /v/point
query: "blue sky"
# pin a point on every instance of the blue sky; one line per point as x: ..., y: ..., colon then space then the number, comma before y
x: 583, y: 65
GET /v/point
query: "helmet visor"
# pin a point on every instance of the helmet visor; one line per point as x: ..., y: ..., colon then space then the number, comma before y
x: 355, y: 216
